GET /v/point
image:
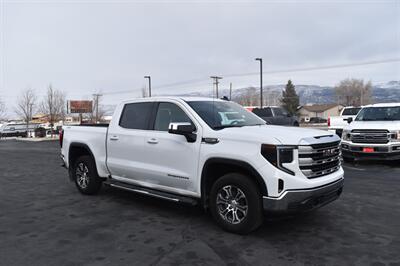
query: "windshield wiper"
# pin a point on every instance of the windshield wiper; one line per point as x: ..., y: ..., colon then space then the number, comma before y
x: 226, y: 126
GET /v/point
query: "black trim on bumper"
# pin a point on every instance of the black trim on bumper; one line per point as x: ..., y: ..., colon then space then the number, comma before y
x: 389, y: 156
x: 304, y: 199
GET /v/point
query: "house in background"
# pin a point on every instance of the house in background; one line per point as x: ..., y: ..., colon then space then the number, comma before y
x: 305, y: 112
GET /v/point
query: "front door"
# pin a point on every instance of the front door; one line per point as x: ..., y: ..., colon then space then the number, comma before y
x: 172, y: 160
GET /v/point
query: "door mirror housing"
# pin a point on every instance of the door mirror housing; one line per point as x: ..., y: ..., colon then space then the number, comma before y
x: 184, y: 129
x: 349, y: 120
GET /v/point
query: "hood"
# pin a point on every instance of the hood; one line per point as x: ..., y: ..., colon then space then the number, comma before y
x: 278, y: 135
x: 388, y: 125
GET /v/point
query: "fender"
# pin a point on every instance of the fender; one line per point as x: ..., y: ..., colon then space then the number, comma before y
x: 238, y: 164
x: 78, y: 145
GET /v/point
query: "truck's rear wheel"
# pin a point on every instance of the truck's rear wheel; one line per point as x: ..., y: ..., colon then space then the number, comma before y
x: 235, y: 203
x: 85, y: 175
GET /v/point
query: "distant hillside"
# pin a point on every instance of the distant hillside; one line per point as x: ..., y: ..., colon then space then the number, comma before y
x: 382, y: 92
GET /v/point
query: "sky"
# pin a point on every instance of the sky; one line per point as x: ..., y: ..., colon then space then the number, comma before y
x: 83, y: 47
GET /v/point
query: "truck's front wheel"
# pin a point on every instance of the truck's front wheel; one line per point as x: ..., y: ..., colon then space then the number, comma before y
x: 235, y: 203
x: 85, y: 176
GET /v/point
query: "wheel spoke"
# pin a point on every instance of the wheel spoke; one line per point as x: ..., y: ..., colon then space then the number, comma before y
x: 228, y: 191
x: 232, y: 204
x: 222, y: 200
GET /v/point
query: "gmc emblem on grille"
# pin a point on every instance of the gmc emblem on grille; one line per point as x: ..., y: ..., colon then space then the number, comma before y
x: 328, y: 152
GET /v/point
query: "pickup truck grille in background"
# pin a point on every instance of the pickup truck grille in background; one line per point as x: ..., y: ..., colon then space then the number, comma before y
x: 319, y: 159
x: 370, y: 136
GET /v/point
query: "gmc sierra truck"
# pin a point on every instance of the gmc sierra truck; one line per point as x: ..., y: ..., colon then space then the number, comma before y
x: 374, y: 134
x: 209, y: 152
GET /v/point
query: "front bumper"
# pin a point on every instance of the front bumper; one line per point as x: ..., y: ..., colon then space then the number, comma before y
x: 381, y: 152
x: 304, y: 199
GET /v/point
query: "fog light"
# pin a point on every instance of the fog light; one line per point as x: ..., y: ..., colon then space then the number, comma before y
x: 280, y: 185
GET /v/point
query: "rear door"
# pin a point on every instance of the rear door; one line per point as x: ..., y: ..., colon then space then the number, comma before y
x: 280, y: 116
x: 125, y: 142
x: 265, y: 114
x: 172, y: 161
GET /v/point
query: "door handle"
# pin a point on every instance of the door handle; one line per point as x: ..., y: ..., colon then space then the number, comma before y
x: 114, y: 138
x: 152, y: 141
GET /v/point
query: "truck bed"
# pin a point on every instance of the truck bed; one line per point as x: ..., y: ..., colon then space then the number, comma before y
x: 93, y: 136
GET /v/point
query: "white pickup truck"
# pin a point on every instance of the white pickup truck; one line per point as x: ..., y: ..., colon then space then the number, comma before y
x: 337, y: 123
x: 183, y: 150
x: 374, y: 134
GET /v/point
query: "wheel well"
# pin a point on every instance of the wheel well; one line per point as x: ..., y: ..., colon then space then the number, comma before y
x: 77, y: 150
x: 216, y: 168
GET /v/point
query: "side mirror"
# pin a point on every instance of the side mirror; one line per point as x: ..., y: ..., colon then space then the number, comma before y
x: 184, y: 129
x: 349, y: 120
x: 288, y: 115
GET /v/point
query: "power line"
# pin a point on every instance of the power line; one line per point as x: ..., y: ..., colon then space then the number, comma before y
x: 304, y: 69
x: 316, y: 68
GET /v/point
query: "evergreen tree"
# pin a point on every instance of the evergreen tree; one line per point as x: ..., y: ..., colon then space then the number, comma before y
x: 290, y: 99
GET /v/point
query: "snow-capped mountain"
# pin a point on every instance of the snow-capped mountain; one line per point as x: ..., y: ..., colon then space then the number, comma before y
x: 381, y: 92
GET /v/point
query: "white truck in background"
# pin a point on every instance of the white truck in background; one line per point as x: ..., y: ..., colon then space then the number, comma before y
x: 337, y: 123
x: 186, y: 150
x: 374, y: 134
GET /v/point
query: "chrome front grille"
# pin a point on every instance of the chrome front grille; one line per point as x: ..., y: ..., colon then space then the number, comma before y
x: 370, y: 136
x: 319, y: 159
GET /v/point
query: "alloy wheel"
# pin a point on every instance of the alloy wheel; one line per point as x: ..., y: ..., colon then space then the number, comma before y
x: 232, y: 204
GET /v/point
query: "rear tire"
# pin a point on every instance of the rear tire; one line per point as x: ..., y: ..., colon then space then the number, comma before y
x: 235, y: 203
x: 85, y: 175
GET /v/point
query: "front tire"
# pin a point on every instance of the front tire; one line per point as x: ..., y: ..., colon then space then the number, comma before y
x: 85, y: 176
x: 235, y: 203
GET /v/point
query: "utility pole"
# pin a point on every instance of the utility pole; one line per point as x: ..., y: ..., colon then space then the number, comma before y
x: 216, y: 82
x: 96, y: 96
x: 230, y: 91
x: 261, y: 82
x: 149, y: 78
x: 29, y: 118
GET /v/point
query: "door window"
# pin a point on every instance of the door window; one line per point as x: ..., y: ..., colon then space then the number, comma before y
x: 278, y: 112
x: 136, y: 115
x: 169, y: 113
x: 265, y: 112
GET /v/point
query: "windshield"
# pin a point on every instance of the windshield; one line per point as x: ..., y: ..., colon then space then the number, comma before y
x: 219, y: 115
x: 351, y: 111
x: 379, y: 114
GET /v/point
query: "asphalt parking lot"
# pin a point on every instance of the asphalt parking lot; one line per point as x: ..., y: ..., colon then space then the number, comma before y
x: 45, y: 221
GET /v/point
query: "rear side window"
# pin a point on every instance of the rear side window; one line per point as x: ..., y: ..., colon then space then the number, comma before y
x: 351, y: 111
x: 136, y: 115
x: 278, y: 112
x: 265, y: 112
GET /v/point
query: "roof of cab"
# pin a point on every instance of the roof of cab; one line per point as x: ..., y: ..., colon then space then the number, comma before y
x: 182, y: 98
x: 383, y: 105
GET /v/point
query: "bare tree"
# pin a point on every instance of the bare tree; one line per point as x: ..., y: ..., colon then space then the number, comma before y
x: 249, y: 98
x: 26, y: 105
x: 354, y: 92
x: 2, y: 110
x: 53, y: 105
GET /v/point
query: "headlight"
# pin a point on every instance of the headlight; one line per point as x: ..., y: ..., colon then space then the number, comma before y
x: 395, y: 135
x: 346, y: 135
x: 278, y: 155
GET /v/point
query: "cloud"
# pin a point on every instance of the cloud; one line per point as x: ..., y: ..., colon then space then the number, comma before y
x: 83, y: 47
